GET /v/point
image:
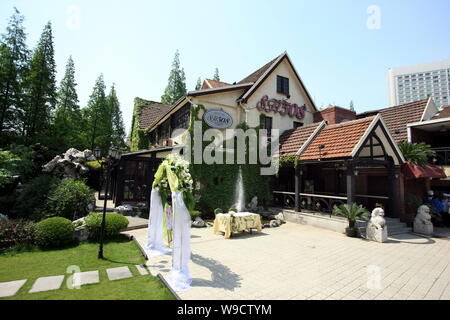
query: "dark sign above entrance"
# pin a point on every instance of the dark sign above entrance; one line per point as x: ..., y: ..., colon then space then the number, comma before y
x: 218, y: 119
x: 282, y: 107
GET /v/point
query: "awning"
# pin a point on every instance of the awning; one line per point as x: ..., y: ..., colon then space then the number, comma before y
x: 412, y: 171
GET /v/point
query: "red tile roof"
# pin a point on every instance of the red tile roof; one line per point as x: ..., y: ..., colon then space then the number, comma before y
x: 152, y: 113
x: 292, y: 140
x: 444, y: 113
x: 338, y: 140
x: 398, y: 117
x: 210, y: 84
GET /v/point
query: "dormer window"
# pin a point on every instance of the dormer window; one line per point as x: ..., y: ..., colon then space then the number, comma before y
x: 283, y: 85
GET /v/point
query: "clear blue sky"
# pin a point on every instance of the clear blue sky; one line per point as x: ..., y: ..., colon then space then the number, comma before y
x: 338, y: 57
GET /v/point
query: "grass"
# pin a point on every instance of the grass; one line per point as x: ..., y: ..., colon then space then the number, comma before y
x: 37, y: 263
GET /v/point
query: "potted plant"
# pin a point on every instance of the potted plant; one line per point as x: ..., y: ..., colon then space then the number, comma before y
x: 352, y: 212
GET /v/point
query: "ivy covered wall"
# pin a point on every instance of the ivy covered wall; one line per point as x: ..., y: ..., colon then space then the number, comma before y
x: 139, y: 137
x: 218, y: 181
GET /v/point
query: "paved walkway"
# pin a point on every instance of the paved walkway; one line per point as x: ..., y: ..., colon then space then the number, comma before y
x: 8, y: 289
x: 302, y: 262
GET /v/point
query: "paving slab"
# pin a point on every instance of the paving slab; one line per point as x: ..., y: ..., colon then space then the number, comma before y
x: 10, y: 288
x: 87, y: 277
x: 142, y: 270
x: 47, y: 284
x: 119, y: 273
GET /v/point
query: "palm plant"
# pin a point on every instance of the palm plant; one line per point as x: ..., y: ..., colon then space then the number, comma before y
x: 416, y: 153
x: 352, y: 212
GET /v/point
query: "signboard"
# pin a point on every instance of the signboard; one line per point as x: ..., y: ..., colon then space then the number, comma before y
x: 282, y: 107
x: 218, y: 119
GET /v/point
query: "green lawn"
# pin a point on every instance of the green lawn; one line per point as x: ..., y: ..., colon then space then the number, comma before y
x: 35, y: 264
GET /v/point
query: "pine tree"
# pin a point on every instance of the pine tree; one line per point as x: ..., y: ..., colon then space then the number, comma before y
x: 96, y: 119
x: 68, y: 115
x: 117, y: 126
x: 176, y: 86
x: 198, y: 86
x: 352, y: 108
x: 216, y: 75
x: 41, y: 88
x: 13, y: 65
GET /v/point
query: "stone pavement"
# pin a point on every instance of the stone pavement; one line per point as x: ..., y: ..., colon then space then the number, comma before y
x: 302, y: 262
x: 8, y: 289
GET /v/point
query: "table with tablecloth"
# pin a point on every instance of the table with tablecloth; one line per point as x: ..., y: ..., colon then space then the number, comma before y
x: 236, y: 222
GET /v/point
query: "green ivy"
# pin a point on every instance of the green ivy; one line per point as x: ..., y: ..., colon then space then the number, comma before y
x: 218, y: 181
x: 290, y: 159
x: 139, y: 137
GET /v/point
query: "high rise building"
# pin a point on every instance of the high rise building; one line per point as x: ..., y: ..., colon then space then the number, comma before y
x: 412, y: 83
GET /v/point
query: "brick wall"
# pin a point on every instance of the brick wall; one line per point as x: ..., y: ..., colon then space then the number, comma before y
x: 334, y: 115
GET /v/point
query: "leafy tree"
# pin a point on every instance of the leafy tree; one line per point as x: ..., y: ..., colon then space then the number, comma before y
x: 176, y: 86
x: 68, y: 114
x: 417, y: 153
x: 352, y: 212
x: 352, y: 108
x: 96, y: 118
x: 198, y: 86
x: 117, y: 126
x: 41, y: 88
x: 216, y: 75
x: 13, y: 65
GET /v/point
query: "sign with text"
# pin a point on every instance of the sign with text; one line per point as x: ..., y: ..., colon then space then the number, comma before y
x: 218, y: 119
x: 282, y: 107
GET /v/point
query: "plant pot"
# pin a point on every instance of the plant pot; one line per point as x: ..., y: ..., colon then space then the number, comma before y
x: 351, y: 232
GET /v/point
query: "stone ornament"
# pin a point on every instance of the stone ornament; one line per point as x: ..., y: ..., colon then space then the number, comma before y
x: 71, y: 163
x: 376, y: 227
x: 422, y: 222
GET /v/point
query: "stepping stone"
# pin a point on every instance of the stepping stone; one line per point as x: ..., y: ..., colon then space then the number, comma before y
x: 142, y: 270
x: 10, y: 288
x: 88, y: 277
x: 47, y: 284
x: 119, y: 273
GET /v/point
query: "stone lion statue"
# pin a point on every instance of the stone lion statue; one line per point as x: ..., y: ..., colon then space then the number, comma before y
x: 376, y: 227
x: 423, y: 215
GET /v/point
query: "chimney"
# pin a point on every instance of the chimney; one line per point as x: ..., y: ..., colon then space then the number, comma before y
x: 334, y: 115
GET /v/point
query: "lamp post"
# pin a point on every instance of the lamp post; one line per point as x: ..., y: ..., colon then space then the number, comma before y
x: 113, y: 155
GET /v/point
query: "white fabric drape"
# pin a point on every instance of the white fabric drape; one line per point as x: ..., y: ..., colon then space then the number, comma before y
x: 179, y: 277
x: 155, y: 241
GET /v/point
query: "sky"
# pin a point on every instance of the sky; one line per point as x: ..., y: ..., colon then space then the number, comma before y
x: 342, y: 49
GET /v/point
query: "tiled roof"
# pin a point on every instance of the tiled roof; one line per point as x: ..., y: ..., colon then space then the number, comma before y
x: 444, y: 113
x: 398, y: 117
x: 210, y: 84
x: 258, y: 73
x: 338, y: 140
x: 152, y: 113
x: 292, y: 140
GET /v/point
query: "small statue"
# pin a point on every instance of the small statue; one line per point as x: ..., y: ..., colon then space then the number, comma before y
x: 376, y: 227
x: 422, y: 222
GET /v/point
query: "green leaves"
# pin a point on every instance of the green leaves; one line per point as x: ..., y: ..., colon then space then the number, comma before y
x: 352, y: 212
x: 416, y: 153
x: 176, y: 86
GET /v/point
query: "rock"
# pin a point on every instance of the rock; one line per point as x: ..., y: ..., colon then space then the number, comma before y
x: 422, y: 222
x: 125, y: 209
x: 81, y: 233
x: 274, y: 223
x: 3, y: 217
x: 71, y: 163
x: 376, y: 227
x: 280, y: 217
x: 49, y: 167
x: 198, y: 223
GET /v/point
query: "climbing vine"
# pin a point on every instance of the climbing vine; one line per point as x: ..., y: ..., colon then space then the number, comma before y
x: 139, y: 137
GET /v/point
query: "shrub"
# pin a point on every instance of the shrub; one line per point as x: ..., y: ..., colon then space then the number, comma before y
x: 69, y: 199
x: 218, y: 210
x: 54, y: 232
x: 113, y: 225
x: 30, y: 202
x: 16, y: 232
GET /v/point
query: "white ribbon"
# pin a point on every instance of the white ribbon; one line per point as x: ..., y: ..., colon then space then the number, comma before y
x: 179, y: 277
x: 155, y: 244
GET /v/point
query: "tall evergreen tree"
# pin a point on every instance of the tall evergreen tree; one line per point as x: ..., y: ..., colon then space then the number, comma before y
x: 68, y: 115
x: 198, y: 86
x: 41, y: 88
x: 216, y: 75
x: 352, y: 107
x: 117, y: 126
x: 13, y: 65
x: 176, y: 86
x: 96, y: 118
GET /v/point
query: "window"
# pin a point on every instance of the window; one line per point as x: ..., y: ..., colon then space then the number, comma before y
x: 180, y: 119
x: 298, y: 124
x: 267, y: 124
x: 283, y: 85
